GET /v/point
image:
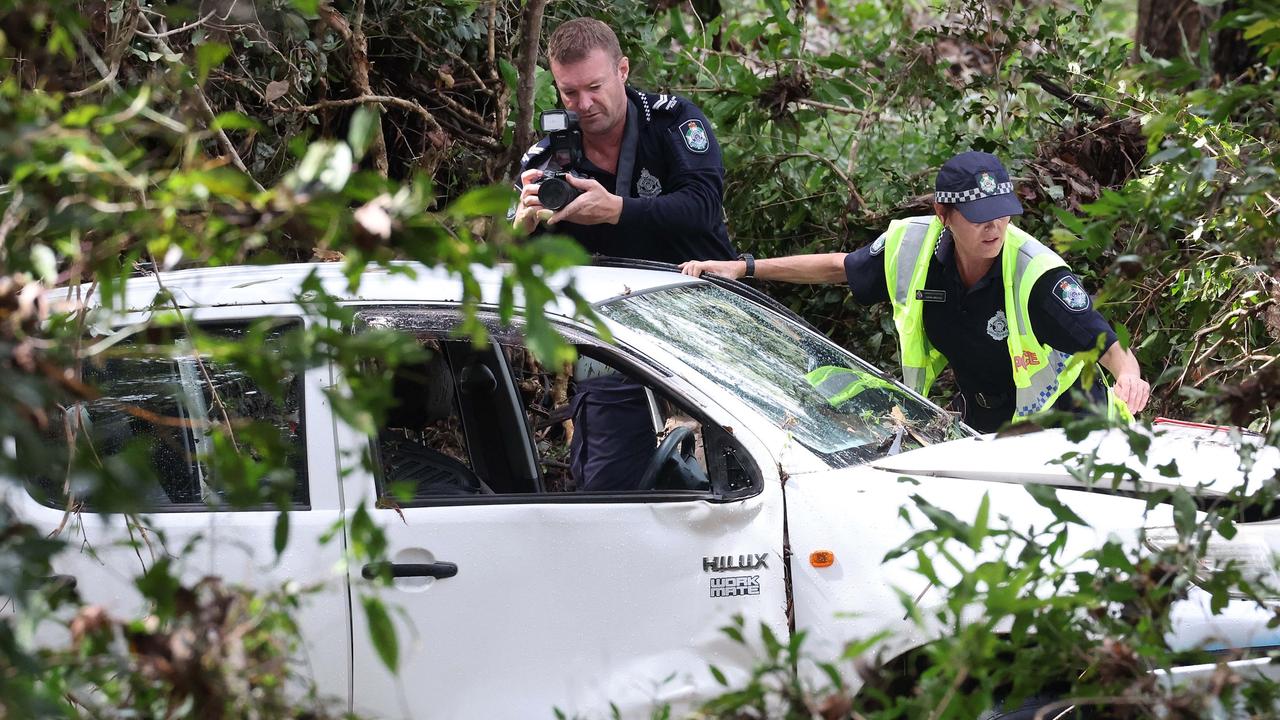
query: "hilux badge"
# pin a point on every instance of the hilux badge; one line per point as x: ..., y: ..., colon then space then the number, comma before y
x: 728, y: 563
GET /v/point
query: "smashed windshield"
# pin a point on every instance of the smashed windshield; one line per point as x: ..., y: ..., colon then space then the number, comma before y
x: 831, y: 402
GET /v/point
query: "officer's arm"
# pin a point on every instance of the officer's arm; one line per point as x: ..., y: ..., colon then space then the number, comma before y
x: 1129, y: 387
x: 801, y: 269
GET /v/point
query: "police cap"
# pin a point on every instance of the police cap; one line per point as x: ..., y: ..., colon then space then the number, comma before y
x: 978, y: 185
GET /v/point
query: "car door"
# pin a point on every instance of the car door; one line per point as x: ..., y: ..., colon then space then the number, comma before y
x: 154, y: 404
x: 524, y: 595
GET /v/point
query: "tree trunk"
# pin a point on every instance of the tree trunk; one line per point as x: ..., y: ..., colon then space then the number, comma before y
x: 1175, y: 28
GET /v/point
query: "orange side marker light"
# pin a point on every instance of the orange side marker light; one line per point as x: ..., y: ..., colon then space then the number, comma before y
x: 822, y: 558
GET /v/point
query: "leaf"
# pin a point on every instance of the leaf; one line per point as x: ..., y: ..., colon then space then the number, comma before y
x: 382, y: 632
x: 282, y: 533
x: 234, y: 121
x: 276, y: 89
x: 364, y: 123
x: 326, y: 164
x: 486, y: 201
x: 44, y: 263
x: 209, y: 55
x: 979, y: 529
x: 718, y: 675
x: 1047, y: 498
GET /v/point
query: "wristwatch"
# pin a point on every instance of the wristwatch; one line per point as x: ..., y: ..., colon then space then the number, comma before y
x: 751, y: 264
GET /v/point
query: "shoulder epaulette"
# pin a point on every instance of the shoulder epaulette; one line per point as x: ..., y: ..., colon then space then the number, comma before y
x: 535, y: 152
x: 662, y: 104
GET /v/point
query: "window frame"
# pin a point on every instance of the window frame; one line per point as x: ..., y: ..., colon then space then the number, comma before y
x: 284, y: 322
x: 619, y: 355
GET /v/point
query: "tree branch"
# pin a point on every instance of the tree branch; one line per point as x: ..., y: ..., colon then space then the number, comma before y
x: 202, y: 103
x: 530, y: 41
x: 1065, y: 95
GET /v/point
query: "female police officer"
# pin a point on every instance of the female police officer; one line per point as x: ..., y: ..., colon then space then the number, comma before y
x: 969, y: 288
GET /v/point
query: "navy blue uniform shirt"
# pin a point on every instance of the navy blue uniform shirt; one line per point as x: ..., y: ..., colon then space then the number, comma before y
x: 671, y: 180
x: 971, y: 330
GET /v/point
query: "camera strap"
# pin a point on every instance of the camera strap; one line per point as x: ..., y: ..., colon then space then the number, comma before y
x: 627, y: 153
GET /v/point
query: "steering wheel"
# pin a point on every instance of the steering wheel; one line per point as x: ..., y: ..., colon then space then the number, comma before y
x: 676, y: 450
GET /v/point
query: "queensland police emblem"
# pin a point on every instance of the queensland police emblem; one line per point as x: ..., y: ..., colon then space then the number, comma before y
x: 998, y: 326
x: 987, y: 183
x: 648, y: 185
x: 877, y: 247
x: 695, y: 136
x: 1070, y: 293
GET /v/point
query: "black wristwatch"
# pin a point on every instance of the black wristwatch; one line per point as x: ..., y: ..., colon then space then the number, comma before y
x: 751, y: 264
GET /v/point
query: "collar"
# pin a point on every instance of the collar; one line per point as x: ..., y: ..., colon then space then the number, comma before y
x: 944, y: 252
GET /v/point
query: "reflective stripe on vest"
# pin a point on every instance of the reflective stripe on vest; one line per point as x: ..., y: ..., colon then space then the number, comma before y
x: 838, y: 385
x: 1040, y: 373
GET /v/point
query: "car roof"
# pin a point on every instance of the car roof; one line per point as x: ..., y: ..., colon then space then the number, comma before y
x: 406, y: 282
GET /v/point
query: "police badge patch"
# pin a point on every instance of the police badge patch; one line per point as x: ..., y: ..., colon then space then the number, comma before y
x: 648, y: 185
x: 1069, y: 292
x: 986, y: 183
x: 998, y: 326
x: 695, y: 136
x: 877, y: 247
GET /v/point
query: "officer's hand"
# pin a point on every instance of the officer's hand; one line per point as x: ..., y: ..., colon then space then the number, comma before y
x: 732, y: 269
x: 529, y: 209
x: 594, y: 206
x: 1134, y: 391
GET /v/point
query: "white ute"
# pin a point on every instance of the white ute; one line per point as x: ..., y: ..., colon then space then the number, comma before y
x: 521, y: 595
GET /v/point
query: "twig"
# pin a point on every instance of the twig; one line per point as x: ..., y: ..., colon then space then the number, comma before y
x: 853, y: 189
x: 1065, y: 95
x: 184, y: 28
x: 203, y: 103
x: 363, y: 99
x: 842, y: 109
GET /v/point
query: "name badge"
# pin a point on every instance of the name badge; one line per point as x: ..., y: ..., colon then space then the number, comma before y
x: 932, y: 295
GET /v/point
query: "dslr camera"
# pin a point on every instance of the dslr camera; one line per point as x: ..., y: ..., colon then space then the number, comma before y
x: 554, y: 192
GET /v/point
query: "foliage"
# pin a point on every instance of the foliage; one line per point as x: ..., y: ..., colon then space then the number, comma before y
x: 145, y: 136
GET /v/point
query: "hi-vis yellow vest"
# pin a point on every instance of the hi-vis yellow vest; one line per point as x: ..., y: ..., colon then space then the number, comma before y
x: 1040, y: 373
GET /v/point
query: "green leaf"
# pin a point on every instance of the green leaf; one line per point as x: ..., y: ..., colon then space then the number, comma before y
x: 382, y: 632
x: 1047, y: 498
x: 232, y: 120
x: 364, y: 125
x: 1184, y: 511
x: 282, y: 532
x: 44, y: 263
x: 718, y: 675
x: 208, y: 56
x: 979, y: 529
x: 309, y: 9
x: 483, y: 202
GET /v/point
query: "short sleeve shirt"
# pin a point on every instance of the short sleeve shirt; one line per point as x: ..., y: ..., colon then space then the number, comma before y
x: 969, y: 326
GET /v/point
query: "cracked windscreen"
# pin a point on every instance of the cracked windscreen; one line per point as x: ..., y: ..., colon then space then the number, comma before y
x: 830, y: 401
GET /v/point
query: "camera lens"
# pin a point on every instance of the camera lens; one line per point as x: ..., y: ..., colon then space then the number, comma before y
x: 554, y: 193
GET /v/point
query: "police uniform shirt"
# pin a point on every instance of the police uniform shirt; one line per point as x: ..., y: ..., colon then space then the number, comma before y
x: 672, y: 189
x: 969, y: 327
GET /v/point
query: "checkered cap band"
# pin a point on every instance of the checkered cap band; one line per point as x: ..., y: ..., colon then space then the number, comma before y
x: 971, y: 194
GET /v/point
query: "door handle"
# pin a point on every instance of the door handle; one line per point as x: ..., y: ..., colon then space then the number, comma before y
x: 439, y: 570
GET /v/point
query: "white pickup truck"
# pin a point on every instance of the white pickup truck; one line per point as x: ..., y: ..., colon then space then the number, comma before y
x: 520, y: 593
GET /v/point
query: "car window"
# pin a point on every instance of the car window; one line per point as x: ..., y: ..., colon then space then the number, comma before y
x: 475, y: 423
x: 831, y: 402
x: 159, y: 402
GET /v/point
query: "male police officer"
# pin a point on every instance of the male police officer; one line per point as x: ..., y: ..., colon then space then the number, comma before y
x: 655, y: 183
x: 653, y: 190
x: 972, y: 290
